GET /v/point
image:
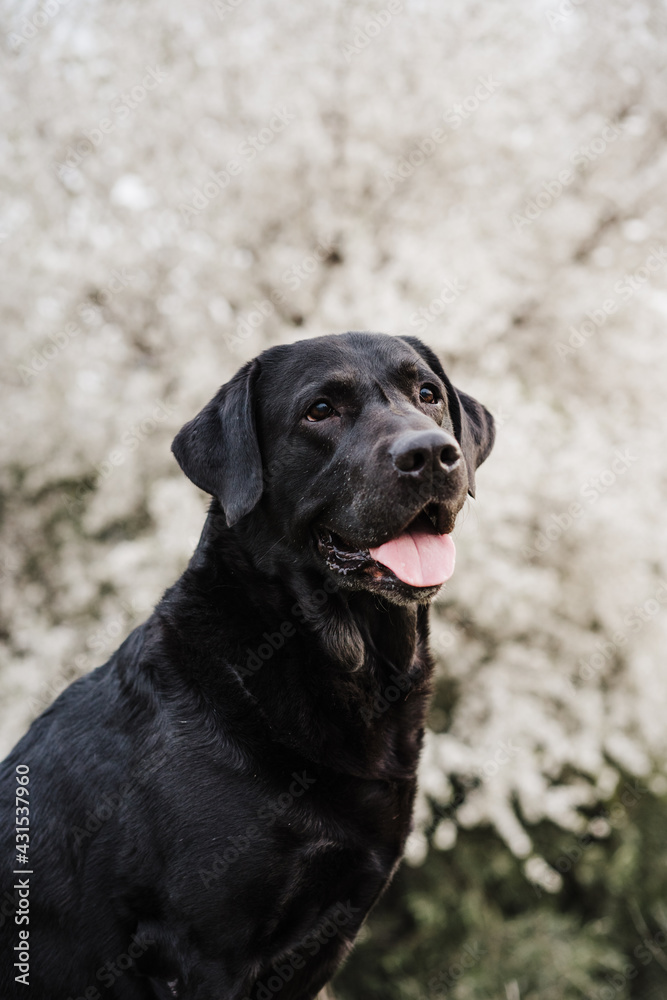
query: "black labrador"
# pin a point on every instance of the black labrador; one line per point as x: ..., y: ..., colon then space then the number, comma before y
x: 212, y: 813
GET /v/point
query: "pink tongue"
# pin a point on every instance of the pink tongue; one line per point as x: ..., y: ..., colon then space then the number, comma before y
x: 418, y: 557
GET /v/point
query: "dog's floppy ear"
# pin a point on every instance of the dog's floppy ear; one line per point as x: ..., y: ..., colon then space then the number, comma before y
x: 474, y: 426
x: 219, y: 451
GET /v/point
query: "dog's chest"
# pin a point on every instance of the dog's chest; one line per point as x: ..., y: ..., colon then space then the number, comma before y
x: 331, y: 862
x: 353, y: 832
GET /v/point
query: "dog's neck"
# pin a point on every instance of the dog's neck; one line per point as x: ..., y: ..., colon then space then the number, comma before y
x: 308, y: 655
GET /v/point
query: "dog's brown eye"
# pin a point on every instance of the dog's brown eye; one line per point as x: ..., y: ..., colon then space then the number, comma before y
x: 427, y: 394
x: 320, y: 411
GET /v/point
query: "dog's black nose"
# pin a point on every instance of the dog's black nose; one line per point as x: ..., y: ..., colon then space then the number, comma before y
x: 421, y: 452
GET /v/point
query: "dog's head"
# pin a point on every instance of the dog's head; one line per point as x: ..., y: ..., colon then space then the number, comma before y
x: 352, y: 454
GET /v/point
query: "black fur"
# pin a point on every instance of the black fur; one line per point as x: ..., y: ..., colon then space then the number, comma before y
x: 214, y: 811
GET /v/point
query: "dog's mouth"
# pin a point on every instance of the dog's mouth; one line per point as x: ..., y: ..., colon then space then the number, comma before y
x: 421, y: 555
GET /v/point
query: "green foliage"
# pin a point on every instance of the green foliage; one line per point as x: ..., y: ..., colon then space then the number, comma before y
x: 469, y: 925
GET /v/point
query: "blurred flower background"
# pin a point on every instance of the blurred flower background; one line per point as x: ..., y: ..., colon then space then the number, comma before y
x: 187, y: 184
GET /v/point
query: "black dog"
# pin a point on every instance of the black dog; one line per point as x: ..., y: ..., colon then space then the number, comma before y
x: 212, y: 813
